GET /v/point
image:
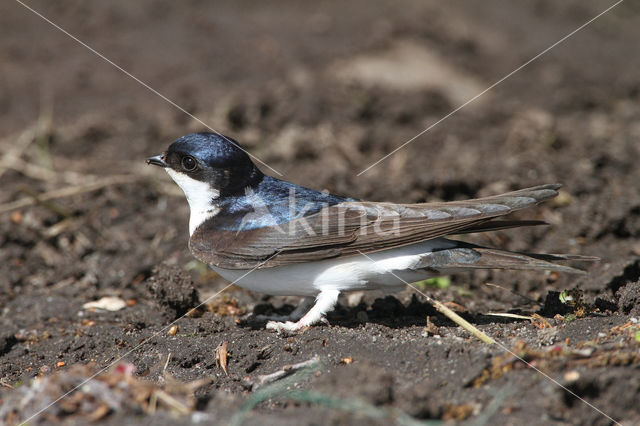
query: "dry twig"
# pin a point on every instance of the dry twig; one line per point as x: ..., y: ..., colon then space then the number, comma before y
x: 68, y: 191
x: 19, y: 145
x: 461, y: 321
x: 285, y: 371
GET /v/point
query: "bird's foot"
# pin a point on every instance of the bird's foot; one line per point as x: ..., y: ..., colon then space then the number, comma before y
x: 290, y: 326
x: 284, y: 326
x: 325, y: 301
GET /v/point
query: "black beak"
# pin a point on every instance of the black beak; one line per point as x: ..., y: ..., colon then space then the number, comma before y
x: 156, y: 161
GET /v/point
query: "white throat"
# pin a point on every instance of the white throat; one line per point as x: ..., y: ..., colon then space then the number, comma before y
x: 200, y: 196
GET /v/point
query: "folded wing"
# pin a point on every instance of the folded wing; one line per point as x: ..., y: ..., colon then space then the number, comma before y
x: 351, y: 227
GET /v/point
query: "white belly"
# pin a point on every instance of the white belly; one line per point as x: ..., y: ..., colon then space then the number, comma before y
x: 388, y: 270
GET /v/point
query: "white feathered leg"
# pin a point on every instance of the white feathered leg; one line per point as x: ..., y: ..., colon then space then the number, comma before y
x: 325, y: 301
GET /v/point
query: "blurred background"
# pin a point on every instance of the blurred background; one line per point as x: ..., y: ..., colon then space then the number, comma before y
x: 319, y: 91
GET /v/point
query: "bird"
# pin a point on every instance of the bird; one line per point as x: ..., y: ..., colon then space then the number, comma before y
x: 275, y: 237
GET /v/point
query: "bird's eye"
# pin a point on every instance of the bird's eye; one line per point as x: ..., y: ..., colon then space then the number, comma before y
x: 189, y: 163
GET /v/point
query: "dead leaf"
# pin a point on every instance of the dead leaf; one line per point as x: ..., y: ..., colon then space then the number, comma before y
x: 431, y: 328
x: 225, y: 306
x: 455, y: 306
x: 108, y: 303
x: 221, y: 356
x: 102, y: 410
x: 457, y: 412
x: 539, y: 322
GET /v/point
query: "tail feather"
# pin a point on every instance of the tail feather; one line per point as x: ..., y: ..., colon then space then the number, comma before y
x: 469, y: 256
x: 558, y: 257
x: 501, y: 259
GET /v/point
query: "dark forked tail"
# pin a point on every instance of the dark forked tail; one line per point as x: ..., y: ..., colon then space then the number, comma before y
x: 469, y: 256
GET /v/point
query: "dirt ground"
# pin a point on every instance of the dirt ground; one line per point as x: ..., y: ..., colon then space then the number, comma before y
x: 319, y: 92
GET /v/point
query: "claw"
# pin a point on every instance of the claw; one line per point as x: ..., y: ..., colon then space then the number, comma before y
x: 325, y: 301
x: 283, y: 326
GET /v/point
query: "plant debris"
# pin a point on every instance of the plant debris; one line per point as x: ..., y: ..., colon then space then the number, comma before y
x: 92, y: 398
x: 221, y: 356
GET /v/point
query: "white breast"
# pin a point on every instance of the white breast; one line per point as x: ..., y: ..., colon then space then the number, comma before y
x: 200, y: 196
x: 386, y: 270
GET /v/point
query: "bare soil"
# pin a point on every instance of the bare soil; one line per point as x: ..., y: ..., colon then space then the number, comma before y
x: 319, y: 92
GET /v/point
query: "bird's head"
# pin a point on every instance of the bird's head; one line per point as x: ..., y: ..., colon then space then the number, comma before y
x: 209, y: 162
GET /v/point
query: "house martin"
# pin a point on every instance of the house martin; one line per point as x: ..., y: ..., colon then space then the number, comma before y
x: 279, y: 238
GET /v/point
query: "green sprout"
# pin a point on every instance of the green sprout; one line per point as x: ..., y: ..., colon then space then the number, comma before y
x: 436, y: 282
x: 565, y: 297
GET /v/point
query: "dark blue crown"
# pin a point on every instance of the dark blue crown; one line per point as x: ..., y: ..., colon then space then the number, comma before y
x: 212, y: 149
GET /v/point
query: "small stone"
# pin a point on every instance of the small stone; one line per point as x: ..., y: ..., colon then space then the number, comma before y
x: 16, y: 217
x: 571, y: 376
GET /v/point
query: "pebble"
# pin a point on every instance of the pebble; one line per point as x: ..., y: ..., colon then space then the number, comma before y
x: 571, y: 376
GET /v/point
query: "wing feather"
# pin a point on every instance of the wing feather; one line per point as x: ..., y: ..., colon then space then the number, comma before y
x: 348, y: 228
